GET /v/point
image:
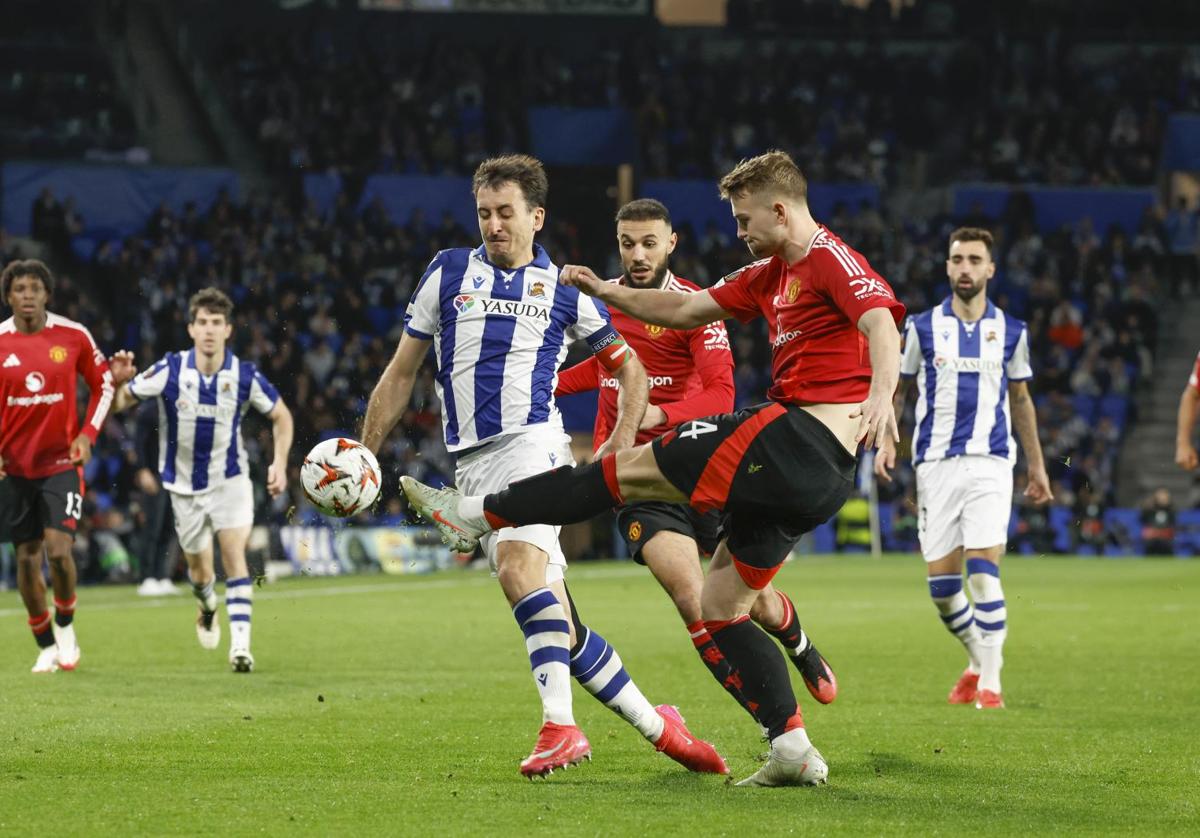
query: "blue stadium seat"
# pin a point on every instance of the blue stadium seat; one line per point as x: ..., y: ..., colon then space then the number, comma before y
x: 1126, y: 525
x: 1062, y: 522
x: 1116, y: 408
x: 825, y: 538
x: 381, y: 319
x: 1085, y: 406
x: 1187, y: 533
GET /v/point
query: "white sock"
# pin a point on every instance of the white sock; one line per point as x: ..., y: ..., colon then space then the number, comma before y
x: 991, y: 616
x: 239, y: 596
x: 793, y: 743
x: 543, y: 621
x: 470, y: 509
x: 957, y: 615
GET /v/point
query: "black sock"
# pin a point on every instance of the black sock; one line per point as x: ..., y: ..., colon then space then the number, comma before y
x: 729, y: 680
x: 565, y: 495
x: 762, y: 669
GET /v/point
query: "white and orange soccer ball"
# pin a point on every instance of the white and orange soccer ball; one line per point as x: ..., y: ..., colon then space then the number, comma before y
x: 340, y: 477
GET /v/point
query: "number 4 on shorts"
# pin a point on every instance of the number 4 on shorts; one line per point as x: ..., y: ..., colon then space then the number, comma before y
x: 697, y: 427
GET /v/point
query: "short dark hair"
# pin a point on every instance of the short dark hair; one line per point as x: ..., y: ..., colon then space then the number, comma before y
x: 973, y: 234
x: 644, y: 209
x: 774, y: 171
x: 212, y: 300
x: 26, y: 267
x: 526, y: 172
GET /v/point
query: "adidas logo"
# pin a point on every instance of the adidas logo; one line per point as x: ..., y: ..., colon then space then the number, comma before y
x: 12, y: 361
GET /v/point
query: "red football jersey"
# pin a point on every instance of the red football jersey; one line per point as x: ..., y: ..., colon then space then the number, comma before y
x: 690, y: 371
x: 38, y: 377
x: 818, y: 355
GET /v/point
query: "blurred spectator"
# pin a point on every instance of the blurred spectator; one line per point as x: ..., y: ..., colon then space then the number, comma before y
x: 1158, y: 524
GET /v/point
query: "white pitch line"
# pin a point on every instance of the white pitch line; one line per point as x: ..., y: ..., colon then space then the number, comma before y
x: 343, y: 590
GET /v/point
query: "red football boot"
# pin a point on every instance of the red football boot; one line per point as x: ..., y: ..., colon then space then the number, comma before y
x: 681, y: 745
x: 964, y: 691
x: 558, y: 746
x: 988, y: 700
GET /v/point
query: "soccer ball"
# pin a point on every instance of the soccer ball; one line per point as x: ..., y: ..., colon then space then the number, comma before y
x: 340, y: 477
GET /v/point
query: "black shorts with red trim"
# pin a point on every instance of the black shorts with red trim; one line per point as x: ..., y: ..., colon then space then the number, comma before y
x: 641, y: 521
x: 775, y: 472
x: 44, y: 503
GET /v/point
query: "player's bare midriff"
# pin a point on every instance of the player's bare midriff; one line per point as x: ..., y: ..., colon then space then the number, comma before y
x: 836, y: 417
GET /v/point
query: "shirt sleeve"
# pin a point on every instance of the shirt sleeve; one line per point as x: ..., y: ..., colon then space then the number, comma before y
x: 592, y: 320
x: 93, y: 366
x: 423, y: 314
x: 263, y: 395
x: 580, y: 378
x: 151, y: 382
x: 738, y: 293
x: 910, y: 352
x: 1018, y: 368
x: 1194, y: 378
x: 714, y: 363
x: 852, y: 285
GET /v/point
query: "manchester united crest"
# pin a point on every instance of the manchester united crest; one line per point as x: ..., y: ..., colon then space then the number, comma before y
x: 635, y: 531
x: 792, y: 291
x: 58, y: 354
x: 654, y: 331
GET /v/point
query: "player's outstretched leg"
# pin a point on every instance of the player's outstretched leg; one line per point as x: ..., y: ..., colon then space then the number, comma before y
x: 599, y: 670
x: 814, y: 669
x: 239, y: 603
x: 983, y: 578
x: 208, y: 627
x: 946, y: 591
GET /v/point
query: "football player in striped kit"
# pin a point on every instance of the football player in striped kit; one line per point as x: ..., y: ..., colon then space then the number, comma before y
x: 971, y: 364
x: 202, y: 395
x: 499, y: 321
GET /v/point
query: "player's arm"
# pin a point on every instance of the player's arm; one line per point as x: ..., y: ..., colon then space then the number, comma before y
x: 673, y: 309
x: 885, y: 457
x: 1024, y: 416
x: 391, y: 395
x: 615, y: 356
x: 878, y: 416
x: 714, y: 363
x: 1185, y: 451
x: 282, y: 429
x: 93, y: 366
x: 581, y: 378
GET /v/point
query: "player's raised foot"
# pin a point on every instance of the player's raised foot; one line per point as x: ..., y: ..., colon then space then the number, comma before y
x: 47, y: 660
x: 790, y: 764
x: 964, y: 691
x: 440, y: 508
x: 681, y: 745
x: 68, y: 647
x: 208, y: 629
x: 817, y: 674
x: 240, y: 660
x: 988, y: 700
x: 558, y: 746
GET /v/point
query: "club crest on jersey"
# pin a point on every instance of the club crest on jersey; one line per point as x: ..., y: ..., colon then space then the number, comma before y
x: 463, y: 303
x: 655, y: 332
x: 990, y: 337
x: 635, y: 531
x: 34, y: 382
x: 792, y: 291
x: 537, y: 289
x: 58, y: 354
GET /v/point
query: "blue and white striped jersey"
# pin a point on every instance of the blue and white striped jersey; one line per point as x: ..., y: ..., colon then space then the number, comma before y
x: 499, y: 337
x: 200, y: 417
x: 963, y: 370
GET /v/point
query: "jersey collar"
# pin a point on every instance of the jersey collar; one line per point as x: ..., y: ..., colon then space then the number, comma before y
x: 227, y: 364
x: 541, y: 259
x: 948, y: 308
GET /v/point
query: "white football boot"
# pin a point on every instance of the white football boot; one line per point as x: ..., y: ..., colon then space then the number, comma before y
x: 440, y: 508
x: 240, y: 660
x: 68, y: 648
x: 208, y: 631
x: 47, y: 660
x: 790, y: 765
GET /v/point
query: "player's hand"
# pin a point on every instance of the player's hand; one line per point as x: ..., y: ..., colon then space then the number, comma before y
x: 878, y: 420
x: 885, y: 459
x: 122, y: 366
x: 581, y: 277
x: 653, y: 417
x: 1038, y: 487
x: 277, y: 479
x: 1185, y: 456
x: 81, y: 450
x: 146, y: 481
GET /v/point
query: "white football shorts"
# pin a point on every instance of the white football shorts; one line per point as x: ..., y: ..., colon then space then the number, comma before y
x: 964, y: 501
x: 506, y: 461
x: 226, y: 506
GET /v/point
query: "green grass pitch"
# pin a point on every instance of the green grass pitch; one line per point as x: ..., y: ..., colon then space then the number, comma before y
x: 393, y: 705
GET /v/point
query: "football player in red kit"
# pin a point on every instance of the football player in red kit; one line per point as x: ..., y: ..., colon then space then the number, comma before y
x: 776, y: 470
x: 690, y: 374
x: 43, y: 448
